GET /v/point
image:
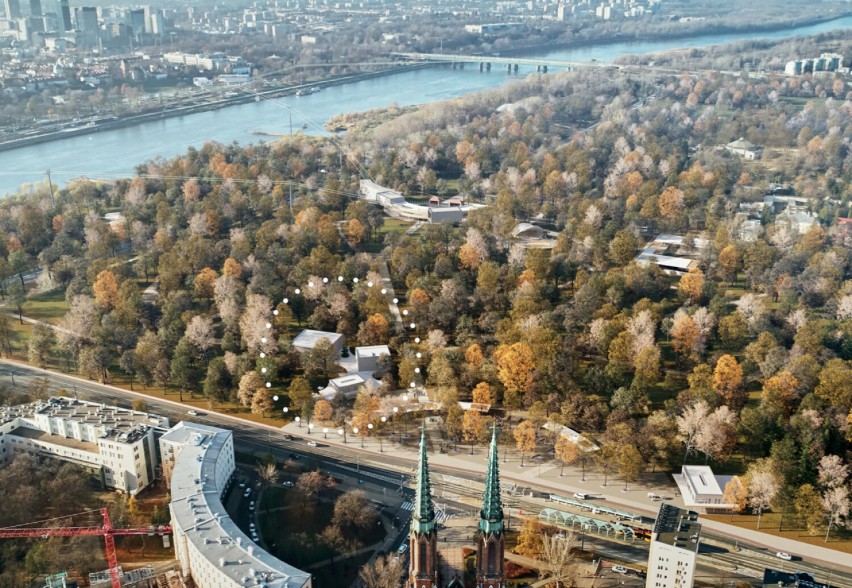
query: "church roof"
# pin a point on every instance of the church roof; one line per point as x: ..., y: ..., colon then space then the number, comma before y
x: 491, y: 515
x: 423, y: 517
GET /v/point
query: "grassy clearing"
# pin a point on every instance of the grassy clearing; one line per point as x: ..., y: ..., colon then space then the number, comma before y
x: 49, y: 307
x: 781, y: 525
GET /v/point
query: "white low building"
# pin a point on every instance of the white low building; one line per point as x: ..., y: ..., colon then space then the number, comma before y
x: 367, y: 358
x: 349, y: 385
x: 308, y: 339
x: 209, y: 546
x: 701, y: 489
x: 119, y: 444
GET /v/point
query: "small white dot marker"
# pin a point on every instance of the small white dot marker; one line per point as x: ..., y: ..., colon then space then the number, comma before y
x: 416, y: 370
x: 384, y: 291
x: 370, y: 284
x: 325, y: 280
x: 268, y: 325
x: 404, y: 313
x: 262, y: 355
x: 269, y: 384
x: 396, y: 300
x: 418, y: 355
x: 262, y: 370
x: 263, y: 339
x: 310, y: 284
x: 412, y: 385
x: 286, y: 300
x: 275, y: 398
x: 412, y: 325
x: 298, y: 291
x: 355, y: 280
x: 275, y: 312
x: 339, y: 278
x: 417, y: 340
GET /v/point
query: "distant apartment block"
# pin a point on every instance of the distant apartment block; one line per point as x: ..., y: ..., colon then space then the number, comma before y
x: 825, y: 62
x: 674, y: 547
x: 120, y: 445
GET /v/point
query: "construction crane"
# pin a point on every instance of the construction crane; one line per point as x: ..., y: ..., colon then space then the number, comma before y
x: 105, y: 530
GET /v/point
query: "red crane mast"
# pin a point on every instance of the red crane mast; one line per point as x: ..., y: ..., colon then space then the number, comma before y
x: 106, y: 530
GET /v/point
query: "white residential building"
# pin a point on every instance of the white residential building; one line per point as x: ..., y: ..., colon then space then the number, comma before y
x: 119, y: 444
x: 674, y: 546
x: 209, y: 545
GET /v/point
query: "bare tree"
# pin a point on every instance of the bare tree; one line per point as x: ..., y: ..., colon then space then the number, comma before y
x: 690, y: 423
x: 835, y: 502
x: 268, y: 474
x: 558, y: 553
x: 762, y: 488
x: 199, y: 331
x: 382, y: 572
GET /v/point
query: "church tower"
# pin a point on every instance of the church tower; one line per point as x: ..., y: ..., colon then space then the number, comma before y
x: 423, y: 540
x: 489, y: 553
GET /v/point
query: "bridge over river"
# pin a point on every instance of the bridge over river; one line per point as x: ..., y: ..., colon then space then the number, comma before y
x: 485, y: 61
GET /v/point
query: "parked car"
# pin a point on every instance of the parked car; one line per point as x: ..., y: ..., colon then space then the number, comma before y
x: 619, y: 569
x: 784, y: 556
x: 402, y: 548
x: 287, y: 484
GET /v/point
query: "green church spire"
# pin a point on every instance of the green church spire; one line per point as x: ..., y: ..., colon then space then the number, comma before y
x: 491, y: 515
x: 423, y: 517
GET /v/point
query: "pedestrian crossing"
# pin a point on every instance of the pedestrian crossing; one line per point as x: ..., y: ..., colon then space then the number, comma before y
x: 440, y: 517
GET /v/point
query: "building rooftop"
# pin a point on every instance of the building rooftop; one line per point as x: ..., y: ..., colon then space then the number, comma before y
x: 702, y: 479
x: 308, y: 338
x: 677, y: 527
x: 198, y: 510
x: 372, y: 351
x: 70, y: 442
x: 742, y: 143
x: 120, y: 424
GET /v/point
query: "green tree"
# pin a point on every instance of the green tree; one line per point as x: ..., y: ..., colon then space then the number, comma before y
x: 630, y: 463
x: 217, y: 382
x: 18, y: 297
x: 301, y: 396
x: 321, y: 360
x: 184, y: 373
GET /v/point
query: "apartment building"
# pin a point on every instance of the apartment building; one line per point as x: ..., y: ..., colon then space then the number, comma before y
x: 674, y: 546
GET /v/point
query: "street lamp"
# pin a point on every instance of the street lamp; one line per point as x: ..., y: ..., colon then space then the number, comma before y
x: 355, y: 430
x: 299, y: 422
x: 342, y: 433
x: 310, y: 428
x: 384, y: 420
x: 325, y: 432
x: 395, y: 411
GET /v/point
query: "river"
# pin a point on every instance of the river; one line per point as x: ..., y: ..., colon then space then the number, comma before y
x: 114, y: 153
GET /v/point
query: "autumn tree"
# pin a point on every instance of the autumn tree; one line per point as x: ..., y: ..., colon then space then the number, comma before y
x: 630, y: 463
x: 730, y: 261
x: 262, y: 402
x: 557, y: 552
x: 728, y: 381
x: 482, y: 393
x: 473, y: 427
x: 566, y: 451
x: 515, y: 365
x: 204, y: 282
x: 250, y: 384
x: 524, y: 435
x: 39, y: 346
x: 736, y: 493
x: 323, y: 411
x: 105, y: 289
x: 301, y: 396
x: 781, y: 392
x: 382, y: 572
x: 808, y: 507
x: 671, y: 203
x: 374, y: 330
x: 691, y: 286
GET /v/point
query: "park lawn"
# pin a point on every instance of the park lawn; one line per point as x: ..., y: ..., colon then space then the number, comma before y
x: 841, y: 540
x: 49, y: 307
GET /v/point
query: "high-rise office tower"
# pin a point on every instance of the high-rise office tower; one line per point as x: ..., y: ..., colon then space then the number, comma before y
x: 64, y: 16
x: 87, y: 22
x: 13, y: 9
x: 35, y: 8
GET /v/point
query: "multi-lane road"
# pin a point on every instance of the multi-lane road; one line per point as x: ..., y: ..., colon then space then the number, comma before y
x: 389, y: 477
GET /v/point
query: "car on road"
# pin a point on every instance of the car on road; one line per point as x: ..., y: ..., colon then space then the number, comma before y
x: 294, y: 456
x: 242, y: 484
x: 581, y: 496
x: 251, y: 526
x: 312, y: 443
x: 247, y: 492
x: 619, y: 569
x: 192, y: 413
x: 784, y: 556
x: 402, y: 549
x: 287, y: 484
